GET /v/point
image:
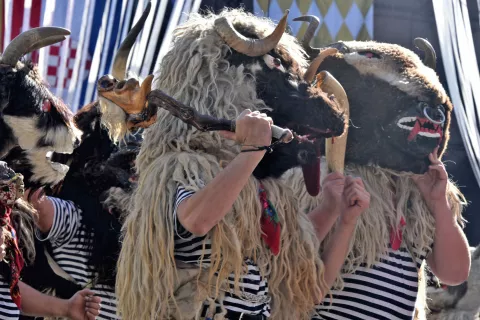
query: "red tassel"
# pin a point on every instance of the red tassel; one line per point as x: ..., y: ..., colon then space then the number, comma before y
x: 396, y: 236
x: 271, y: 228
x: 271, y: 234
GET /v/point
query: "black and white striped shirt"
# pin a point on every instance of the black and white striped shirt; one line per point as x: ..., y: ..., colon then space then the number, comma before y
x: 387, y: 291
x: 70, y: 245
x: 189, y: 249
x: 8, y: 309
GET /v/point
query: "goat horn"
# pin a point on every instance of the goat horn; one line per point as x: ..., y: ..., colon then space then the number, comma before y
x: 430, y: 59
x: 250, y: 47
x: 47, y: 42
x: 314, y: 22
x: 31, y: 40
x: 312, y: 69
x: 120, y: 63
x: 335, y: 148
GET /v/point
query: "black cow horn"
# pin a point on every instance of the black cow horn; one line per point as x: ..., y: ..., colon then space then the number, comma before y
x: 430, y: 59
x: 314, y: 22
x: 31, y: 40
x: 120, y: 63
x: 250, y: 47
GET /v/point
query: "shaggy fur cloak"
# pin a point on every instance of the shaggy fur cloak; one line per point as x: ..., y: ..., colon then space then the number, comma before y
x: 196, y: 72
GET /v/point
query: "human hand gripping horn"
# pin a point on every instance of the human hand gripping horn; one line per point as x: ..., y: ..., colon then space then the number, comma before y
x: 205, y: 122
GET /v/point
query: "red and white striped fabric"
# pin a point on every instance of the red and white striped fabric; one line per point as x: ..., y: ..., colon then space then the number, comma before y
x: 57, y: 62
x: 54, y: 62
x: 72, y: 67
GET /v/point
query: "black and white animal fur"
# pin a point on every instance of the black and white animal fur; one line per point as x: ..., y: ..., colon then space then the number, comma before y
x: 31, y: 116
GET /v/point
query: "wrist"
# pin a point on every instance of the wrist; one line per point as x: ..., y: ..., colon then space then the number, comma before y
x: 333, y: 211
x: 322, y: 215
x: 61, y: 307
x: 348, y: 221
x: 445, y: 219
x: 436, y: 205
x: 256, y: 144
x: 251, y: 152
x: 441, y: 210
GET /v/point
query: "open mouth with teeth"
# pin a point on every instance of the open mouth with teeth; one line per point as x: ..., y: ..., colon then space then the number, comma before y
x: 305, y: 133
x: 421, y: 127
x: 308, y: 134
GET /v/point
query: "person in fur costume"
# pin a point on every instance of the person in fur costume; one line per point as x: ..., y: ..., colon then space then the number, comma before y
x: 399, y: 128
x: 80, y: 234
x: 211, y: 231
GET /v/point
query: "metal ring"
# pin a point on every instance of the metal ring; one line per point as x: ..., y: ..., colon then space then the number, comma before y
x: 434, y: 121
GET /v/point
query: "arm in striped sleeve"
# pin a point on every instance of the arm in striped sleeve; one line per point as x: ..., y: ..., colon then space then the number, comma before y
x: 66, y: 221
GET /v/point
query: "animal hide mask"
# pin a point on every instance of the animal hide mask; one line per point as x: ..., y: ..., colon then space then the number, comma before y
x: 399, y: 110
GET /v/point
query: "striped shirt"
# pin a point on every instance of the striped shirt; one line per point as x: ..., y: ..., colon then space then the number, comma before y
x: 70, y: 245
x: 189, y: 249
x: 388, y: 290
x: 8, y: 309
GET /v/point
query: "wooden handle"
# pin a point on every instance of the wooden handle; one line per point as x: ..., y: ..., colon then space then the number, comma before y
x: 204, y: 122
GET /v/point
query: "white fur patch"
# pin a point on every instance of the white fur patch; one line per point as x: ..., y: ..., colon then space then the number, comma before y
x: 62, y: 138
x: 25, y: 129
x: 255, y: 67
x: 43, y: 170
x: 114, y: 119
x: 386, y: 70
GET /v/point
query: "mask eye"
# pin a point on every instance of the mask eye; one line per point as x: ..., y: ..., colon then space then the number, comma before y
x: 273, y: 63
x: 369, y: 55
x: 46, y: 106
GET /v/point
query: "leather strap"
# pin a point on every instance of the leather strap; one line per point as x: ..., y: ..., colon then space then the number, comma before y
x: 59, y: 271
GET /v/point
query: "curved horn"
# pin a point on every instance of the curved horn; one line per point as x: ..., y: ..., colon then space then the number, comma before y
x: 31, y: 40
x: 430, y: 59
x: 335, y: 150
x: 250, y: 47
x: 120, y: 63
x: 314, y: 22
x: 312, y: 69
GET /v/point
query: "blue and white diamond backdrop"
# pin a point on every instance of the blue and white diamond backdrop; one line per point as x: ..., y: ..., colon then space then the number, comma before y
x: 339, y: 19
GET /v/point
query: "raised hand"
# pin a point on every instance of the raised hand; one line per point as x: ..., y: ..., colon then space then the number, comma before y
x: 332, y: 193
x: 355, y: 200
x: 433, y: 183
x: 84, y: 306
x: 252, y: 129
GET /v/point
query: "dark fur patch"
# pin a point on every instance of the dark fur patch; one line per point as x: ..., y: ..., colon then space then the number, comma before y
x: 293, y: 106
x: 375, y: 108
x: 97, y: 165
x: 458, y: 291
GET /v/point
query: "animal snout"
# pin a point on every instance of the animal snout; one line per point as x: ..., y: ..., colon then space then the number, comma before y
x: 126, y: 85
x: 436, y: 115
x: 106, y: 83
